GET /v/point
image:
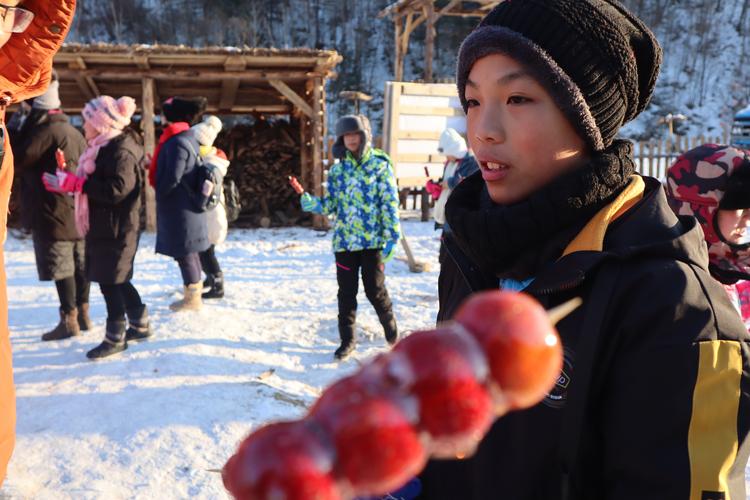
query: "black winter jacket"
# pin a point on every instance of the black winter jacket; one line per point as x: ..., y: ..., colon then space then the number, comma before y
x: 48, y: 215
x: 660, y: 419
x: 114, y: 191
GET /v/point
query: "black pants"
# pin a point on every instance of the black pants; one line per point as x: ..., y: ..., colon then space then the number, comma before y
x: 348, y: 265
x: 73, y: 291
x: 190, y: 267
x: 119, y: 299
x: 209, y: 262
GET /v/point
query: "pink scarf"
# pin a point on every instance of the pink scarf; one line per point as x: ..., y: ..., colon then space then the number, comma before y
x: 86, y: 167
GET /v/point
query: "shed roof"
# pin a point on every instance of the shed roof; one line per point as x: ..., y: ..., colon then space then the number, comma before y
x: 235, y: 80
x: 475, y: 8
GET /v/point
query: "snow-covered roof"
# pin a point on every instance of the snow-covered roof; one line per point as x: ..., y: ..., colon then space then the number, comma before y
x: 234, y: 79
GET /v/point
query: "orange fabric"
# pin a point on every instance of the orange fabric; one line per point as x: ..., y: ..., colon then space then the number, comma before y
x: 25, y: 70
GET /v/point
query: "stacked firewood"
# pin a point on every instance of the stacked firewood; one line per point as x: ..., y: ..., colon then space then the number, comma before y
x: 262, y: 156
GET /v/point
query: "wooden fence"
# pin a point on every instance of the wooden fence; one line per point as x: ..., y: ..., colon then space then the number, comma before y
x: 654, y: 157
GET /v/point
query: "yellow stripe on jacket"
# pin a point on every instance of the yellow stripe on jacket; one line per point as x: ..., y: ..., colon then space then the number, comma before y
x: 712, y: 437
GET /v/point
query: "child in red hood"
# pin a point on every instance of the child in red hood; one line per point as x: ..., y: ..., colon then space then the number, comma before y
x: 712, y: 183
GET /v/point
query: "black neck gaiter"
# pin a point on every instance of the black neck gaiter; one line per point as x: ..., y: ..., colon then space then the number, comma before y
x: 498, y: 237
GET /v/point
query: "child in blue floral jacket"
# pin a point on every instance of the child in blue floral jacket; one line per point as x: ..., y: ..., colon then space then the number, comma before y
x: 362, y: 195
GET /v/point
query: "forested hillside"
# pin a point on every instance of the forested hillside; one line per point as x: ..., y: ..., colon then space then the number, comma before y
x: 706, y: 74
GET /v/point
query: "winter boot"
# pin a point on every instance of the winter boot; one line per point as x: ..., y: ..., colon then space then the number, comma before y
x: 209, y: 281
x: 139, y: 327
x: 389, y: 327
x: 347, y: 342
x: 84, y: 321
x: 192, y: 299
x: 217, y: 287
x: 66, y: 328
x: 345, y: 349
x: 114, y: 340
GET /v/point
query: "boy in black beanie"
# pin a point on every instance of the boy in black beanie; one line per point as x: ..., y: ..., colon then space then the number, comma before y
x: 654, y: 398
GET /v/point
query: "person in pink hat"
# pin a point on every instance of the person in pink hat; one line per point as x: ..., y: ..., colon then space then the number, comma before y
x: 107, y: 187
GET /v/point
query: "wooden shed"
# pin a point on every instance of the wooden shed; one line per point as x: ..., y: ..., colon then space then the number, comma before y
x: 235, y: 81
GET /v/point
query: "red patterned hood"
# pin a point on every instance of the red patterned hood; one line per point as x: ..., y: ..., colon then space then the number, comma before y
x: 696, y: 183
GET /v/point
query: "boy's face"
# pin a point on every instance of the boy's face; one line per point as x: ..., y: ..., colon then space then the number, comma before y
x: 733, y: 225
x: 519, y: 136
x: 352, y: 141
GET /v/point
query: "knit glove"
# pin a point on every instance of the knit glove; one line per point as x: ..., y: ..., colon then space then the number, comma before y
x: 389, y: 250
x: 63, y: 182
x: 310, y: 203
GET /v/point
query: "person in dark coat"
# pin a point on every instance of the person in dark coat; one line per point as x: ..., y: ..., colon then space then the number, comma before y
x: 58, y: 248
x: 654, y: 398
x: 108, y: 186
x: 182, y: 231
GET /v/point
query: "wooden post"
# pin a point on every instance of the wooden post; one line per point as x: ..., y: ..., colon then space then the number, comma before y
x: 319, y: 221
x: 429, y: 43
x: 305, y: 141
x: 398, y: 63
x: 149, y: 143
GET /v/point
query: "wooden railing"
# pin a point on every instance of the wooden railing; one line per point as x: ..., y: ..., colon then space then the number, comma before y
x: 654, y: 157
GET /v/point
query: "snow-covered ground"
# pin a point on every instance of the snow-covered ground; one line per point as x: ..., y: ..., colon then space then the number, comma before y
x: 154, y: 421
x: 157, y: 420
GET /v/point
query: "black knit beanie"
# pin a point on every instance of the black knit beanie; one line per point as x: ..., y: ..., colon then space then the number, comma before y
x: 184, y: 109
x: 597, y: 60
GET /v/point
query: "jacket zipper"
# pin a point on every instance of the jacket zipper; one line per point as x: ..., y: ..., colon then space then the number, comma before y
x: 569, y: 285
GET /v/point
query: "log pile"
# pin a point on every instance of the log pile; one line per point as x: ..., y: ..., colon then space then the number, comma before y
x: 262, y: 156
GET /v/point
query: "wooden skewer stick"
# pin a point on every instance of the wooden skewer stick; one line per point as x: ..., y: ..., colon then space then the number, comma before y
x: 557, y: 313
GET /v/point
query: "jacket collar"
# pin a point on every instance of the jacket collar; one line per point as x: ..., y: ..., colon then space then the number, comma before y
x: 638, y: 223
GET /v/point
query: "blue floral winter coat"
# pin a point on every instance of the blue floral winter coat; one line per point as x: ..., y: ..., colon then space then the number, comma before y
x: 363, y: 197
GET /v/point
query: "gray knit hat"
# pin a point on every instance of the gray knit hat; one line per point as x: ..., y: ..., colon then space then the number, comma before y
x: 347, y: 125
x: 51, y: 97
x: 597, y: 60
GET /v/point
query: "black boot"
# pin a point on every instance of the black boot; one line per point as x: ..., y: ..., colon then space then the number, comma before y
x: 390, y: 328
x: 139, y: 327
x: 114, y: 340
x: 347, y: 342
x: 66, y: 328
x: 345, y: 349
x: 209, y: 281
x: 217, y: 287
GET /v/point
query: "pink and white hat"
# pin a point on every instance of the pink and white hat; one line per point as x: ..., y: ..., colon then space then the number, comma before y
x: 105, y: 113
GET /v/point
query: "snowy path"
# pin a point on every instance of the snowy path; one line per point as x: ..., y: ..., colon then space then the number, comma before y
x: 150, y: 422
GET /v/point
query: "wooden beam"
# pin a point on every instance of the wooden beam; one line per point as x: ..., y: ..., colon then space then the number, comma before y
x: 229, y: 88
x: 77, y: 67
x: 149, y: 143
x: 290, y: 94
x: 447, y: 8
x: 141, y: 61
x: 319, y: 221
x: 192, y: 74
x: 429, y: 43
x: 398, y: 63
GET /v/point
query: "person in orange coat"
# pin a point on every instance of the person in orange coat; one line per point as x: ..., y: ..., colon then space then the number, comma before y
x: 31, y: 32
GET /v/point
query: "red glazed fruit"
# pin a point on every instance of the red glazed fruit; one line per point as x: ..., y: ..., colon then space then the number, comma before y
x: 377, y: 447
x: 445, y: 369
x: 522, y: 346
x: 285, y: 460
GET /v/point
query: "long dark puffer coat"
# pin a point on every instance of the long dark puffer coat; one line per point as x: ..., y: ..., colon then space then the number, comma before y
x: 48, y: 215
x: 114, y: 191
x: 181, y: 227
